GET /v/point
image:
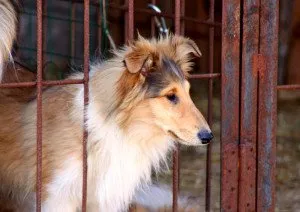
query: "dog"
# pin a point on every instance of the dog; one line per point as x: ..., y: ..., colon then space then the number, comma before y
x: 139, y: 106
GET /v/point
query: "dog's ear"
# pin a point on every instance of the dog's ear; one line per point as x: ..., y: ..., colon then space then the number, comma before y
x: 185, y: 46
x: 138, y: 61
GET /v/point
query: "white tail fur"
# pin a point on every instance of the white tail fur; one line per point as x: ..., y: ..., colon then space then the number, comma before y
x: 7, y: 31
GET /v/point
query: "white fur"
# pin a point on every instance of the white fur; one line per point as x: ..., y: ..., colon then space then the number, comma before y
x: 117, y: 166
x: 7, y: 31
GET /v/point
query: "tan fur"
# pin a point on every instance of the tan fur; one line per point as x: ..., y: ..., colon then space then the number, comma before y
x: 118, y: 96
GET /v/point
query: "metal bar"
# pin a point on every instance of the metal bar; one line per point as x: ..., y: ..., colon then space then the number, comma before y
x: 248, y: 115
x: 130, y: 20
x: 288, y: 87
x: 126, y: 21
x: 63, y: 82
x: 73, y: 32
x: 86, y: 60
x: 205, y: 76
x: 147, y: 11
x: 182, y: 13
x: 176, y: 151
x: 209, y: 23
x: 39, y: 36
x: 152, y: 21
x: 210, y: 105
x: 44, y: 83
x: 267, y: 116
x: 18, y: 85
x: 99, y: 30
x: 230, y: 104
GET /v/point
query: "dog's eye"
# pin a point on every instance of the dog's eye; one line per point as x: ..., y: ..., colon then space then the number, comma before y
x: 172, y: 98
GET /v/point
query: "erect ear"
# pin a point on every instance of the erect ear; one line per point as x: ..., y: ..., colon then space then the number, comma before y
x: 185, y: 46
x: 138, y: 61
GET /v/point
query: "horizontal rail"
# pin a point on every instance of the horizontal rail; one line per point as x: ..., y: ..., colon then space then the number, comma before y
x: 288, y: 87
x: 44, y: 83
x: 205, y: 76
x: 18, y: 85
x: 148, y: 11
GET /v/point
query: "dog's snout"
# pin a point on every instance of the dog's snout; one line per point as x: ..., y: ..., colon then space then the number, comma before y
x: 205, y: 136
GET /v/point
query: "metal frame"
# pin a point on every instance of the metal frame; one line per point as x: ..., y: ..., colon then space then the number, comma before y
x: 249, y: 86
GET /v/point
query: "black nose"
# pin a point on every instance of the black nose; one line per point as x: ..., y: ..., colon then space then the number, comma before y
x: 205, y: 136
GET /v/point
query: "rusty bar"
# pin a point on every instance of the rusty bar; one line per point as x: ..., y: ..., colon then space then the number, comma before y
x: 286, y: 87
x: 209, y: 23
x: 210, y: 105
x: 177, y: 149
x: 44, y: 83
x: 182, y: 12
x: 86, y: 60
x: 18, y: 85
x: 45, y: 22
x: 248, y: 117
x: 39, y: 35
x: 230, y: 104
x: 267, y: 117
x: 152, y: 21
x: 63, y: 82
x: 126, y: 19
x: 130, y: 19
x: 73, y: 31
x: 205, y: 76
x: 147, y: 11
x: 99, y: 30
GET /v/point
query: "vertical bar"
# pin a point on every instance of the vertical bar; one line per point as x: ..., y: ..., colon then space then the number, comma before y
x: 86, y: 60
x: 39, y: 32
x: 230, y: 104
x: 152, y: 21
x: 267, y: 116
x: 130, y: 21
x: 176, y: 151
x: 210, y: 106
x: 182, y: 11
x: 73, y: 31
x: 248, y: 126
x: 45, y: 23
x: 99, y: 29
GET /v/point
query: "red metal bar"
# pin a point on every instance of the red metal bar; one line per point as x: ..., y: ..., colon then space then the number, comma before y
x: 147, y: 11
x: 267, y: 116
x: 153, y: 22
x: 248, y: 118
x: 44, y: 83
x: 230, y: 104
x: 99, y: 30
x: 130, y: 20
x: 182, y: 12
x: 39, y: 36
x: 63, y: 82
x: 176, y: 151
x: 205, y: 76
x: 86, y: 60
x: 210, y: 105
x: 18, y: 85
x: 288, y: 87
x: 73, y: 31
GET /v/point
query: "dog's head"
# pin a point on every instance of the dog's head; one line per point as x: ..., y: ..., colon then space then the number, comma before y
x: 154, y: 88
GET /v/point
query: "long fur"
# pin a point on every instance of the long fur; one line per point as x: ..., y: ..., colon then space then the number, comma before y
x: 131, y: 124
x: 7, y: 31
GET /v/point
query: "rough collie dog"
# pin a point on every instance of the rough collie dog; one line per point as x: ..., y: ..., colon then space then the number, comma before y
x: 139, y: 106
